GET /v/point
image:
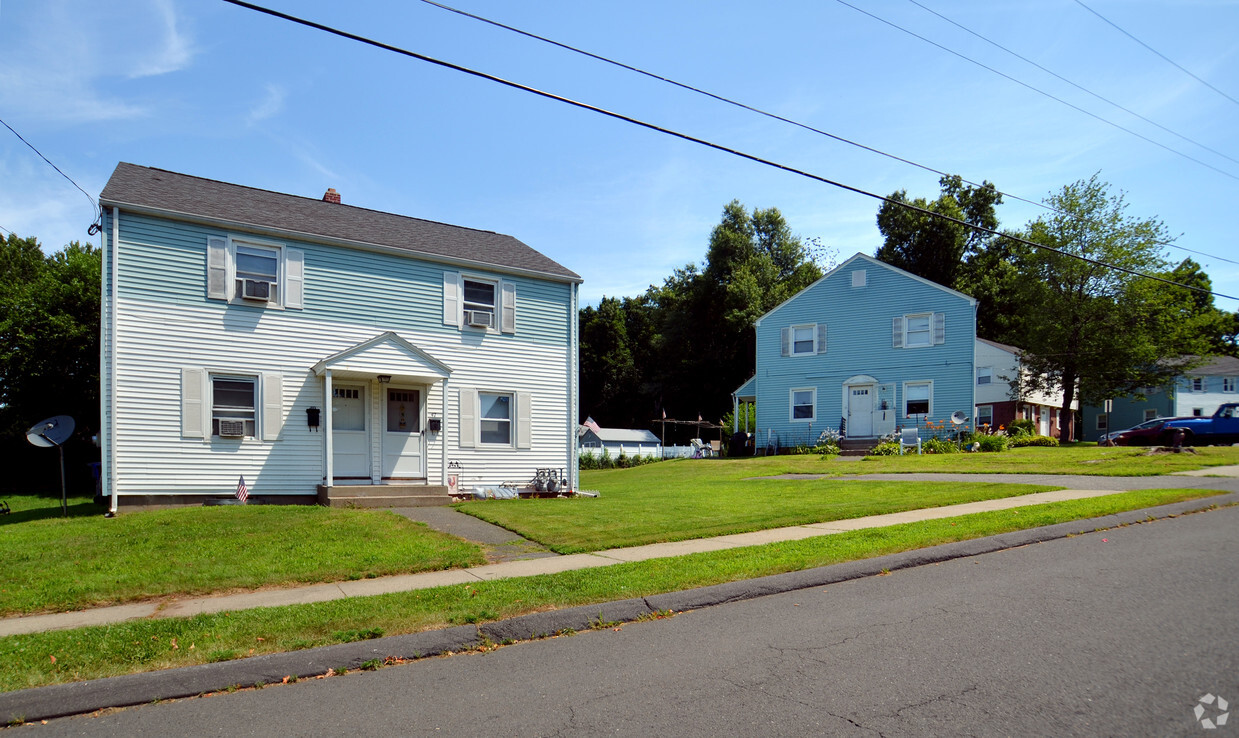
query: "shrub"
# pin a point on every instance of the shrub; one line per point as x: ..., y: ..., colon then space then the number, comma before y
x: 1021, y: 427
x: 992, y: 443
x: 1023, y: 440
x: 886, y: 448
x: 827, y: 449
x: 938, y: 446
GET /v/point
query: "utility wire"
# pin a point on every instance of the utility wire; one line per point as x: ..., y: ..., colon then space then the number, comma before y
x: 692, y: 139
x: 1073, y: 84
x: 1155, y: 51
x: 94, y: 206
x: 798, y: 124
x: 1039, y: 91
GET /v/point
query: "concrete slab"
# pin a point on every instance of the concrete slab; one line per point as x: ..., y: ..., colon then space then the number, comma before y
x: 76, y: 619
x: 533, y: 567
x: 1213, y: 471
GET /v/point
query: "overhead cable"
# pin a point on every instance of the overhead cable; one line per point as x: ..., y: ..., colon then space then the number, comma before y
x: 692, y: 139
x: 1155, y: 51
x: 774, y: 116
x: 94, y: 206
x: 1025, y: 85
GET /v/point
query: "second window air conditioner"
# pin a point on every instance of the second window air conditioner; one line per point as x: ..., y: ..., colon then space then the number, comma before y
x: 255, y: 289
x: 478, y: 318
x: 232, y: 428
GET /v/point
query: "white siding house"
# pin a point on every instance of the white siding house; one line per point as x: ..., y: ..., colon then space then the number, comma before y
x: 998, y: 403
x: 304, y: 343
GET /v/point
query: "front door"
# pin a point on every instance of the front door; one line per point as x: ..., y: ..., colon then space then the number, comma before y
x: 350, y: 455
x: 403, y: 441
x: 860, y: 411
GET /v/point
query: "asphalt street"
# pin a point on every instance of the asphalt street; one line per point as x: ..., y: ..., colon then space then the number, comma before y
x: 1118, y: 632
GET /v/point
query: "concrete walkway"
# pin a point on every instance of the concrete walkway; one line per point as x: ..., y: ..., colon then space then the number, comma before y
x: 1097, y: 486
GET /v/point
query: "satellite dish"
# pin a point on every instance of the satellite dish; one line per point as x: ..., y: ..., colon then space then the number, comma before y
x: 958, y: 417
x: 51, y: 432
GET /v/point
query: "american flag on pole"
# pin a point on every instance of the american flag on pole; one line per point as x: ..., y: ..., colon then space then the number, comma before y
x: 243, y: 492
x: 589, y: 423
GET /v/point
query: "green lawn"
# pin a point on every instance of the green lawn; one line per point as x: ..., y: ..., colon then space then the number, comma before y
x: 689, y: 498
x: 1088, y: 459
x: 53, y: 563
x: 147, y: 645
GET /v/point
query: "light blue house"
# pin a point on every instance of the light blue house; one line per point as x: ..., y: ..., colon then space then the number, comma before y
x: 1198, y: 391
x: 318, y: 349
x: 868, y: 348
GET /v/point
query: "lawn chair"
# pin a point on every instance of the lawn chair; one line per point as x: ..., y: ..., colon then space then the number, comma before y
x: 700, y: 449
x: 910, y: 437
x: 716, y: 448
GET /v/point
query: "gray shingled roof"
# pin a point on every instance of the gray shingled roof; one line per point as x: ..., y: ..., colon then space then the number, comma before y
x: 1217, y: 366
x: 183, y: 196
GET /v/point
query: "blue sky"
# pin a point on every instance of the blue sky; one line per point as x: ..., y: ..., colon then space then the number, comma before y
x: 214, y: 90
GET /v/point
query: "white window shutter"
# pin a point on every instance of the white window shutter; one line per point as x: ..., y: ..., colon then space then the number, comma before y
x: 294, y: 279
x: 508, y: 302
x: 786, y: 349
x: 467, y: 422
x: 217, y: 268
x: 193, y: 403
x: 821, y: 338
x: 452, y: 294
x: 272, y: 406
x: 939, y: 328
x: 897, y: 332
x: 524, y: 420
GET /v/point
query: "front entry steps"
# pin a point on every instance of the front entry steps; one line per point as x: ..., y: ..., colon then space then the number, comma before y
x: 856, y: 446
x: 383, y: 495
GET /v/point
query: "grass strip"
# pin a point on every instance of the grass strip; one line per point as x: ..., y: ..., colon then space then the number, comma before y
x: 55, y: 564
x: 1085, y: 459
x: 147, y: 645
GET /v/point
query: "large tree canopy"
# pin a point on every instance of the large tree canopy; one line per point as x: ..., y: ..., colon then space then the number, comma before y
x: 1101, y: 328
x: 683, y: 346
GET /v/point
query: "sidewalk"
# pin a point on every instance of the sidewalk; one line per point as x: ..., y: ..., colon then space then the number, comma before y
x: 521, y: 568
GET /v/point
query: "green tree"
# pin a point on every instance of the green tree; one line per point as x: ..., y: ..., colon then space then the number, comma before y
x: 933, y: 247
x: 608, y: 373
x: 1099, y: 327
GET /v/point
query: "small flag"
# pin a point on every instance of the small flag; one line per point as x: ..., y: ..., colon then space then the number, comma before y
x: 664, y: 413
x: 243, y: 492
x: 699, y: 417
x: 589, y: 423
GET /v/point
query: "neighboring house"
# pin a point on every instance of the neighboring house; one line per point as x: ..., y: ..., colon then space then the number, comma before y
x: 999, y: 402
x: 305, y: 343
x: 616, y: 441
x: 1198, y: 391
x: 869, y: 346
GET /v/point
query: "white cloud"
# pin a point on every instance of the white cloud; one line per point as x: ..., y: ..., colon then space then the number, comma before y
x: 174, y: 51
x: 271, y: 105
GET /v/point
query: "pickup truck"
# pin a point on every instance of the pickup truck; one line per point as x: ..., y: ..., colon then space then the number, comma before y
x: 1222, y: 429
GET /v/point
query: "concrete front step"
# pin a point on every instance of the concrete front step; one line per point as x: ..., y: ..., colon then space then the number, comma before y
x: 383, y: 495
x: 856, y: 446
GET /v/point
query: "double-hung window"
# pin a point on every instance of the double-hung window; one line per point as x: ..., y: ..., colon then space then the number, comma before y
x: 918, y: 398
x: 804, y: 340
x: 495, y: 424
x: 1103, y: 422
x: 252, y: 272
x: 985, y: 415
x: 985, y: 375
x: 1228, y: 384
x: 479, y: 302
x: 804, y: 404
x: 233, y: 406
x: 918, y: 330
x: 1197, y: 384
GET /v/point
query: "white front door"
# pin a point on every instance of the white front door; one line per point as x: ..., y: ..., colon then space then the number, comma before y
x: 403, y: 440
x: 350, y: 448
x: 860, y: 411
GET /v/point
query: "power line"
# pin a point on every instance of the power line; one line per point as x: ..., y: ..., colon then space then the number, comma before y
x: 1039, y: 91
x: 1073, y: 84
x: 692, y: 139
x: 94, y: 206
x: 1155, y: 51
x: 775, y: 116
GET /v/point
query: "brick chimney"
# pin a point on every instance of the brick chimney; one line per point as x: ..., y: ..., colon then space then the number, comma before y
x: 331, y: 196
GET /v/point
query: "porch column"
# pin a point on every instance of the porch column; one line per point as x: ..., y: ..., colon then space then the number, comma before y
x: 443, y: 432
x: 327, y: 428
x: 735, y: 415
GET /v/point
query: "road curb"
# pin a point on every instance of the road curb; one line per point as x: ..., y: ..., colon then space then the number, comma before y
x: 77, y: 698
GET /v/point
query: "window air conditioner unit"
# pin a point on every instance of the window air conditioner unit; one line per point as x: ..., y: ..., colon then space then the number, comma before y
x: 478, y: 318
x: 255, y: 289
x: 232, y: 428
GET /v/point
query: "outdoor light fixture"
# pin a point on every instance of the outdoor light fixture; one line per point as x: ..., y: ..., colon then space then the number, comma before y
x: 384, y: 378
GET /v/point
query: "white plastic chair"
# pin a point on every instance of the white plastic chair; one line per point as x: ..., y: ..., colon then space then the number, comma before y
x: 910, y: 437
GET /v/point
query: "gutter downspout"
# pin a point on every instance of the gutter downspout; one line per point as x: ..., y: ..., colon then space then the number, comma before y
x: 107, y: 472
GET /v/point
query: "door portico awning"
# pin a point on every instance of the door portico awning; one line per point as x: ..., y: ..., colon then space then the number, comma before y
x: 387, y: 354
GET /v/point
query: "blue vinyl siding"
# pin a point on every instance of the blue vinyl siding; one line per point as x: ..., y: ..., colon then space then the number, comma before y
x: 859, y: 342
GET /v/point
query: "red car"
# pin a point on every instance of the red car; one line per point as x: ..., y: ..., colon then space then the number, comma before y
x: 1148, y: 433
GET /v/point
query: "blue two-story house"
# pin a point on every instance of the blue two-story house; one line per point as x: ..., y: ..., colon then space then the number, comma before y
x: 314, y: 347
x: 867, y: 348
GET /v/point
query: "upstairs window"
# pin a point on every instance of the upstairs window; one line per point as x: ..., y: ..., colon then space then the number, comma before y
x: 479, y: 303
x: 1228, y: 384
x: 1197, y: 384
x: 804, y: 340
x: 246, y: 271
x: 257, y: 273
x: 918, y: 330
x: 985, y: 375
